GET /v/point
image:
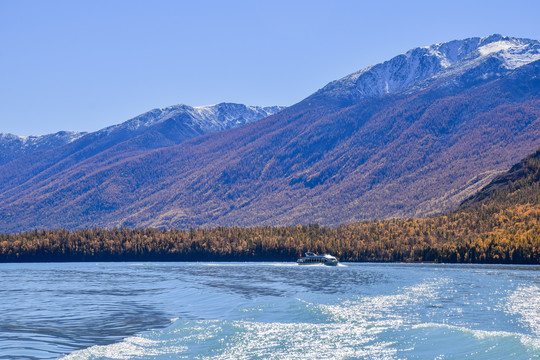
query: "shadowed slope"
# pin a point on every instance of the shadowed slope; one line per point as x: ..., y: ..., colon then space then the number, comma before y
x: 519, y: 186
x: 399, y: 155
x: 155, y: 129
x: 410, y: 137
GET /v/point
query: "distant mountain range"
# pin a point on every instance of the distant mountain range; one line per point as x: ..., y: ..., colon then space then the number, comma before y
x: 43, y: 157
x: 413, y: 136
x: 14, y: 146
x: 153, y: 129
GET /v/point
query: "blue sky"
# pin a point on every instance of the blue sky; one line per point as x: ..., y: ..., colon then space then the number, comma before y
x: 84, y: 65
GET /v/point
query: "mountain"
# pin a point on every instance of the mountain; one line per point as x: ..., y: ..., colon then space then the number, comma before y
x: 202, y: 119
x: 14, y: 146
x: 497, y: 225
x: 459, y: 61
x: 152, y: 130
x: 518, y: 186
x: 413, y: 136
x: 172, y: 125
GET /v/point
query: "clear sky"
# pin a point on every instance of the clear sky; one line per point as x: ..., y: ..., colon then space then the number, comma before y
x: 83, y: 65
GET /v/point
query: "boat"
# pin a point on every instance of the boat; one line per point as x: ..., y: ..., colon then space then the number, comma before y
x: 313, y: 259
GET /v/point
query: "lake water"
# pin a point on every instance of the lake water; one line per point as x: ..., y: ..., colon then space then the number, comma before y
x: 268, y: 311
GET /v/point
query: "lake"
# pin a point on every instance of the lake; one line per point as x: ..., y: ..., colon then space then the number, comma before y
x: 268, y: 311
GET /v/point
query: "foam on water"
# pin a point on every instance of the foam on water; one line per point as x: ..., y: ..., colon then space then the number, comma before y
x: 131, y: 347
x: 247, y: 340
x: 383, y: 309
x: 251, y: 264
x: 368, y: 327
x: 269, y: 311
x: 264, y: 264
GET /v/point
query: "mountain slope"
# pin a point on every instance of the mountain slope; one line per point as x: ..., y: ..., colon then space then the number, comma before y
x: 499, y: 225
x: 408, y: 157
x: 13, y: 146
x: 434, y: 138
x: 152, y: 130
x: 419, y: 68
x: 518, y: 186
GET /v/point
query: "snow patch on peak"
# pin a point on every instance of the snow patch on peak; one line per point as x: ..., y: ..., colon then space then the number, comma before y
x: 496, y: 47
x: 5, y: 136
x: 59, y: 137
x: 417, y: 65
x: 14, y: 146
x: 18, y: 138
x: 203, y: 119
x: 513, y: 52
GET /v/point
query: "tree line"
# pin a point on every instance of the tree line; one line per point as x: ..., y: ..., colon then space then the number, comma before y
x: 489, y: 234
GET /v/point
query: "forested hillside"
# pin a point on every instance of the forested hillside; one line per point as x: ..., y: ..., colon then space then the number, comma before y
x: 501, y: 224
x: 411, y: 137
x: 520, y: 185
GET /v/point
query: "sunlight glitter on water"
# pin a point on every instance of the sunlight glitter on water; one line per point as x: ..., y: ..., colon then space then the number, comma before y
x: 269, y: 311
x: 249, y: 340
x: 375, y: 327
x: 525, y: 302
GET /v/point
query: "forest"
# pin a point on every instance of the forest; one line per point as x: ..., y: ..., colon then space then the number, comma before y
x: 500, y: 224
x: 509, y: 235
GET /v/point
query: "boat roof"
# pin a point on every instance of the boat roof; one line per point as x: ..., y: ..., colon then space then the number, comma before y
x: 310, y: 254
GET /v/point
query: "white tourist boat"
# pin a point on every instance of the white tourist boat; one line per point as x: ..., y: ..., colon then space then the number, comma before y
x: 313, y: 259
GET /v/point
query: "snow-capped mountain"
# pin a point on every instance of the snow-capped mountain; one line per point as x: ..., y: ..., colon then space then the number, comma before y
x: 420, y: 67
x: 14, y: 146
x: 172, y: 125
x: 153, y: 129
x: 202, y: 119
x: 412, y: 136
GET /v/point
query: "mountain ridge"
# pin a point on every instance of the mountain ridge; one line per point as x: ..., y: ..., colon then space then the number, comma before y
x: 151, y: 130
x: 15, y: 146
x: 419, y: 64
x: 411, y: 152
